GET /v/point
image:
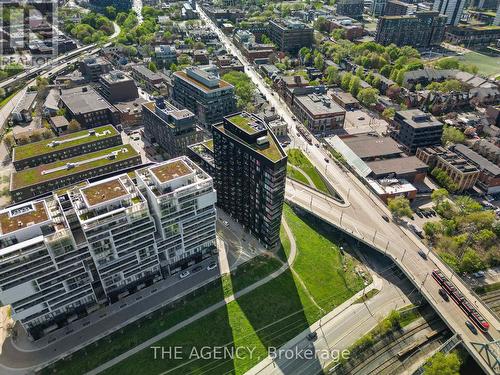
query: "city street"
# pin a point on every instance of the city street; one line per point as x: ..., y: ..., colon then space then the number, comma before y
x: 364, y: 220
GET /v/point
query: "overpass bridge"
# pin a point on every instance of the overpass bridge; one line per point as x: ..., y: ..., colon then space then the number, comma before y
x: 402, y: 247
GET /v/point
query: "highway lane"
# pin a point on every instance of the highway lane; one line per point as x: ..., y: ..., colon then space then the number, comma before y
x: 366, y: 221
x: 417, y: 269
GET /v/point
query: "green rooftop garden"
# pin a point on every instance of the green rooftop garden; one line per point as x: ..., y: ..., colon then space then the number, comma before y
x: 243, y: 123
x: 209, y: 144
x: 34, y: 176
x: 42, y: 147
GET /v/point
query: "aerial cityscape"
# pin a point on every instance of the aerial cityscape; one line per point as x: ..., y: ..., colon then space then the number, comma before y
x: 249, y: 187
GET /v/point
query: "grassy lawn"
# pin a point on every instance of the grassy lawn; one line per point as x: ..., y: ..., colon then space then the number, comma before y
x: 487, y: 65
x: 136, y: 333
x: 268, y: 316
x: 327, y: 275
x: 297, y: 158
x: 8, y: 98
x: 249, y: 273
x: 34, y: 175
x: 296, y: 175
x: 251, y: 321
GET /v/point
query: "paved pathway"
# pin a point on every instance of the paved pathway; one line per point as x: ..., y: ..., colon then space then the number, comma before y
x: 309, y: 180
x: 214, y: 307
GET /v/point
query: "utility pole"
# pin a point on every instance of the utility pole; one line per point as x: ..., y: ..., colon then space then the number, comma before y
x: 403, y: 256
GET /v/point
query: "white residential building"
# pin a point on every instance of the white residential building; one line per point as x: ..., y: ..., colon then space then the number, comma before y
x: 44, y: 274
x: 182, y: 199
x: 94, y: 243
x: 120, y: 233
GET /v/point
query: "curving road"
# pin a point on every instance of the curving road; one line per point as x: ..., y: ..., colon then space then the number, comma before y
x: 363, y: 220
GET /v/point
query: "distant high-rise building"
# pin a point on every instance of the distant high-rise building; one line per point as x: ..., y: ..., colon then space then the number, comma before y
x: 496, y: 21
x: 399, y: 8
x: 350, y: 8
x: 417, y: 129
x: 290, y: 36
x: 172, y: 128
x: 204, y: 93
x: 402, y: 30
x: 378, y: 7
x: 452, y: 9
x: 250, y: 175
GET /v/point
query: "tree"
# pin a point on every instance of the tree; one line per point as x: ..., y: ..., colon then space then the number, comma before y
x: 471, y: 262
x: 443, y: 364
x: 467, y: 205
x: 452, y: 135
x: 360, y: 72
x: 444, y: 180
x: 368, y: 96
x: 439, y: 195
x: 354, y: 85
x: 319, y: 62
x: 332, y: 75
x: 41, y: 83
x: 321, y: 24
x: 110, y: 12
x: 9, y: 140
x: 152, y: 66
x: 389, y: 112
x: 73, y: 126
x: 243, y: 86
x: 61, y: 112
x: 400, y: 207
x: 345, y: 81
x: 485, y: 238
x: 432, y: 229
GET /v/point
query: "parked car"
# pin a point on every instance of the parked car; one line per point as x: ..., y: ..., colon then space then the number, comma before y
x: 478, y: 275
x: 327, y: 160
x: 184, y: 274
x: 422, y: 254
x: 385, y: 218
x: 443, y: 294
x: 312, y: 336
x: 226, y: 224
x: 471, y: 326
x: 212, y: 265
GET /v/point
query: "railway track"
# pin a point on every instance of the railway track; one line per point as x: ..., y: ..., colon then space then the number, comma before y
x: 390, y: 351
x: 492, y: 299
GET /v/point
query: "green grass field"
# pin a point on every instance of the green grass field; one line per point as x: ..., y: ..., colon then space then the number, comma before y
x: 268, y: 316
x: 487, y: 65
x: 296, y: 175
x: 329, y: 276
x: 297, y: 158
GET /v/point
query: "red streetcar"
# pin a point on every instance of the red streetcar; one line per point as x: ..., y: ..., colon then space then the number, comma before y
x: 467, y: 307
